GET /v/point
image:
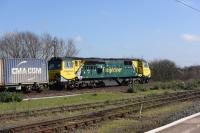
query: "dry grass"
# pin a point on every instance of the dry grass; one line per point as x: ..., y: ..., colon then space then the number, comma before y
x: 84, y: 98
x: 132, y: 125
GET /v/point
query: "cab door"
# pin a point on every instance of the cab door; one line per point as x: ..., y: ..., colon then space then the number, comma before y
x: 54, y: 69
x: 140, y: 69
x: 77, y: 64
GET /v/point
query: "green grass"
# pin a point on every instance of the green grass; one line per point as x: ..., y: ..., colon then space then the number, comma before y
x: 166, y: 109
x: 33, y: 119
x: 131, y: 125
x: 109, y: 126
x: 84, y: 98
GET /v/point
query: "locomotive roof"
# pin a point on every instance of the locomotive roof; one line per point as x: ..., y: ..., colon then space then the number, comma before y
x: 98, y: 59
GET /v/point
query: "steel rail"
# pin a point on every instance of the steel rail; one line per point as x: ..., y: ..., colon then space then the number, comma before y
x: 93, y: 117
x: 77, y: 107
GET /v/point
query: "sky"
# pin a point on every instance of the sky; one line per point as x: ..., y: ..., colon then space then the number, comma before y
x: 149, y: 29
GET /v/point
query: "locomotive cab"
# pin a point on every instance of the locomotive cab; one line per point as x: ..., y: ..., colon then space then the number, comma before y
x: 54, y: 67
x: 71, y: 69
x: 146, y: 69
x: 64, y: 69
x: 142, y: 69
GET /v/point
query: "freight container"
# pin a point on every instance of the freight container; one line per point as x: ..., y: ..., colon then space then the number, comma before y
x: 23, y: 73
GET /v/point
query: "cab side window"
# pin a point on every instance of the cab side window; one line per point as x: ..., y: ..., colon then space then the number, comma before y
x: 54, y: 65
x: 76, y: 63
x: 68, y: 64
x: 146, y: 64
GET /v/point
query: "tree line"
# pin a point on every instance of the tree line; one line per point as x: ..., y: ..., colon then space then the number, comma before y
x: 31, y: 45
x: 46, y: 46
x: 166, y: 70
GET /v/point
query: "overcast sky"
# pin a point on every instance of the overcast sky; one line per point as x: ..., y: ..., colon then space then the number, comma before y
x: 151, y: 29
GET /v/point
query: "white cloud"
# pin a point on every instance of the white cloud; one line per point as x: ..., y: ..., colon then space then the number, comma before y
x: 78, y: 39
x: 191, y: 37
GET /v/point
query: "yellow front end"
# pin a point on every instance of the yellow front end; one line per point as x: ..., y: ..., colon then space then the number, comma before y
x: 142, y: 68
x: 70, y: 68
x: 146, y: 70
x: 64, y: 69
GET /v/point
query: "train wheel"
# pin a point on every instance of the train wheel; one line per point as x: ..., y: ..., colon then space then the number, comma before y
x: 52, y: 87
x: 141, y: 81
x: 66, y: 86
x: 124, y: 82
x: 101, y: 84
x: 137, y: 81
x: 59, y: 86
x: 71, y: 87
x: 36, y: 87
x: 94, y: 85
x: 2, y: 89
x: 146, y: 80
x: 26, y: 89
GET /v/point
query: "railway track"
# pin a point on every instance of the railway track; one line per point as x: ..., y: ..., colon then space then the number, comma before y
x: 56, y: 92
x: 70, y: 123
x: 78, y: 107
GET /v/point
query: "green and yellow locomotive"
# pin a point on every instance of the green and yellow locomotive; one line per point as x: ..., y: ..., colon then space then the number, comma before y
x: 70, y: 72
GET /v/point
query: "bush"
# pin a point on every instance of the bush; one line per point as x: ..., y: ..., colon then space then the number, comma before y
x: 175, y: 85
x: 133, y: 88
x: 181, y: 85
x: 190, y: 86
x: 10, y: 97
x: 178, y: 85
x: 164, y: 70
x: 155, y: 87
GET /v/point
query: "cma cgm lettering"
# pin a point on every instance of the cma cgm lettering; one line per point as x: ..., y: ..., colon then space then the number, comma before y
x: 27, y: 70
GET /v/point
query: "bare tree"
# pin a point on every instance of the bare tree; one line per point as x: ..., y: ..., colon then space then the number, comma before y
x: 71, y: 49
x: 164, y: 70
x: 47, y: 46
x: 58, y: 46
x: 13, y: 45
x: 30, y: 45
x: 191, y: 72
x: 51, y: 46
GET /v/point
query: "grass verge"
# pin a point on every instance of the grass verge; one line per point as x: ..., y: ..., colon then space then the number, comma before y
x: 84, y: 98
x: 150, y: 119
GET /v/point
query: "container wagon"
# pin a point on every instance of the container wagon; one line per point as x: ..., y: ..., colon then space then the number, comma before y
x: 78, y: 72
x: 23, y: 74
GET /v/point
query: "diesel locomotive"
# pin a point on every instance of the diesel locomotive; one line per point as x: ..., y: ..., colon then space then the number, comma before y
x: 70, y: 72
